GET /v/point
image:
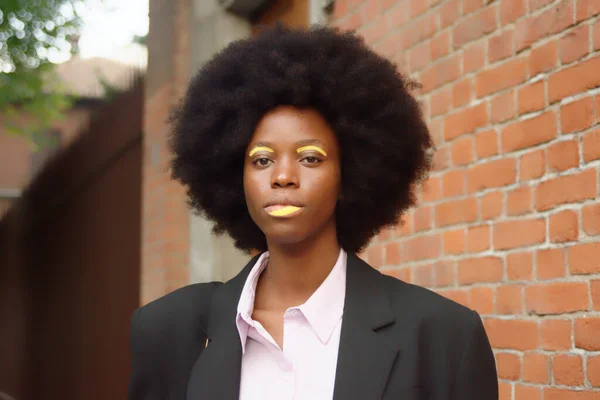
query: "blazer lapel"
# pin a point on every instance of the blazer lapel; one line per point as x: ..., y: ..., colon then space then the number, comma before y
x: 365, y: 355
x: 216, y: 372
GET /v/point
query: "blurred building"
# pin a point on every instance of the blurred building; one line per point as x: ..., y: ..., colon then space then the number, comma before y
x: 87, y: 81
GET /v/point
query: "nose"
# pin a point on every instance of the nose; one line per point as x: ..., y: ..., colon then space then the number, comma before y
x: 285, y: 174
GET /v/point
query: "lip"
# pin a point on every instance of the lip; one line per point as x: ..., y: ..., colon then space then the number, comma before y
x: 283, y: 210
x: 284, y: 202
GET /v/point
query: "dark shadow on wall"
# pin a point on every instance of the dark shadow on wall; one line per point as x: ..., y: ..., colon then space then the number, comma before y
x: 70, y: 264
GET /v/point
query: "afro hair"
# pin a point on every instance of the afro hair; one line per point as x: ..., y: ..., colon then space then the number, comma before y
x: 385, y: 143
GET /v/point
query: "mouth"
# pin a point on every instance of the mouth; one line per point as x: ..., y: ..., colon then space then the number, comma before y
x: 282, y: 210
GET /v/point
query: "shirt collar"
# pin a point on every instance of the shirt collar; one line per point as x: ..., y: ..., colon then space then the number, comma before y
x: 323, y: 309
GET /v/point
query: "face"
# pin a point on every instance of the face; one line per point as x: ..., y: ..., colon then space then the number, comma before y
x: 292, y: 176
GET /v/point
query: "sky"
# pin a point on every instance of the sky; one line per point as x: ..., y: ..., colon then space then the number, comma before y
x: 110, y: 25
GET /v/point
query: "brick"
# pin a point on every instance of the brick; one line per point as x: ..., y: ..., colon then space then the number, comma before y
x: 509, y: 299
x: 440, y: 45
x: 537, y: 4
x: 432, y: 189
x: 532, y: 165
x: 445, y: 71
x: 398, y: 16
x: 454, y: 241
x: 529, y: 132
x: 482, y: 300
x: 574, y: 44
x: 384, y: 235
x: 422, y: 248
x: 583, y: 258
x: 596, y: 35
x: 591, y: 219
x: 504, y: 107
x: 393, y: 254
x: 519, y: 266
x: 462, y: 151
x: 578, y: 78
x: 423, y: 275
x: 417, y: 7
x: 449, y: 13
x: 595, y: 290
x: 563, y: 155
x: 585, y: 331
x: 577, y: 116
x: 567, y: 394
x: 465, y: 121
x: 509, y: 366
x: 473, y: 57
x: 518, y: 201
x: 591, y: 146
x: 587, y: 9
x: 462, y: 92
x: 422, y: 218
x: 470, y: 6
x: 556, y: 298
x: 511, y: 10
x: 402, y: 274
x: 374, y: 31
x: 475, y: 26
x: 523, y: 392
x: 453, y: 183
x: 553, y: 20
x: 593, y: 370
x: 536, y: 368
x: 519, y: 233
x: 512, y: 334
x: 564, y: 226
x: 531, y: 97
x: 500, y: 77
x: 491, y: 205
x: 404, y: 227
x: 420, y: 56
x: 481, y: 269
x: 566, y: 189
x: 478, y: 238
x: 543, y: 58
x: 375, y: 256
x: 567, y: 369
x: 459, y: 296
x: 504, y: 391
x: 492, y: 174
x: 555, y: 334
x: 440, y: 102
x: 486, y: 144
x: 551, y: 263
x: 441, y: 159
x: 500, y: 46
x: 444, y: 273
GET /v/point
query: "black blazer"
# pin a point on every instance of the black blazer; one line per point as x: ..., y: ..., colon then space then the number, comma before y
x: 398, y: 341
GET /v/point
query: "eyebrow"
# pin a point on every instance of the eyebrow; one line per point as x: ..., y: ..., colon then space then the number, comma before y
x: 306, y: 144
x: 260, y: 146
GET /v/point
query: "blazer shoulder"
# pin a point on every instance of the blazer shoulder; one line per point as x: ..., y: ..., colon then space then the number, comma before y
x: 183, y: 308
x: 427, y: 304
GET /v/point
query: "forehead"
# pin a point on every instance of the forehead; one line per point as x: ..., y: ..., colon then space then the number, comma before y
x: 288, y: 125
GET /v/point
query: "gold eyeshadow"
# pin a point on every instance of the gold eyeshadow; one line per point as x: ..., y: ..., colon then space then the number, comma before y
x: 260, y: 148
x: 311, y: 147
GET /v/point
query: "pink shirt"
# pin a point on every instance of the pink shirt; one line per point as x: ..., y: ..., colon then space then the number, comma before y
x: 305, y: 368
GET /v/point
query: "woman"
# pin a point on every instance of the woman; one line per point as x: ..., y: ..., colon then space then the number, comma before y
x: 302, y: 146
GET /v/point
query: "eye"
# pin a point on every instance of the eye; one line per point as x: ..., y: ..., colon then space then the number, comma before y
x: 262, y: 162
x: 311, y: 160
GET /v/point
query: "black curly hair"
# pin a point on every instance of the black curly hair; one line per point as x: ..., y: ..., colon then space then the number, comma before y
x: 385, y: 144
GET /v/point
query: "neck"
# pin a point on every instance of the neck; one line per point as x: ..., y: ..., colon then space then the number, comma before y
x: 296, y: 271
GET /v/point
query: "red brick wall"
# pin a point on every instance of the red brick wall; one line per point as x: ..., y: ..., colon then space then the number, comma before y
x: 509, y: 222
